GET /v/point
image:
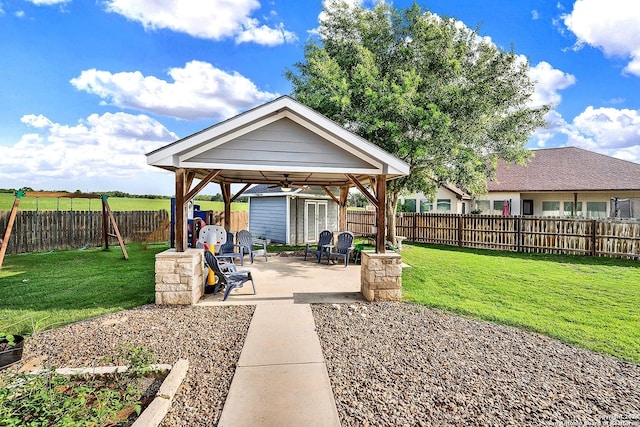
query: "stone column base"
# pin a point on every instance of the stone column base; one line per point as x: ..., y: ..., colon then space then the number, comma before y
x: 179, y: 277
x: 381, y: 276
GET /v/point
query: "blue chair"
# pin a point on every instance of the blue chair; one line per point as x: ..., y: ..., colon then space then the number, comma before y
x: 325, y: 238
x: 230, y: 250
x: 343, y: 247
x: 228, y: 276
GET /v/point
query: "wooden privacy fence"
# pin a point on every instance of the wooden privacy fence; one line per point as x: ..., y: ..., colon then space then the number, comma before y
x: 239, y: 219
x: 36, y: 231
x: 42, y: 231
x: 595, y: 237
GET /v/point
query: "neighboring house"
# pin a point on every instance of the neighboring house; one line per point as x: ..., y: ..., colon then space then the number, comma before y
x: 565, y: 182
x: 292, y: 217
x: 448, y: 199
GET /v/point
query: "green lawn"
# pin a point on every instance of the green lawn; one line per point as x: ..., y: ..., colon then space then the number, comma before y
x: 66, y: 286
x: 115, y: 203
x: 590, y: 302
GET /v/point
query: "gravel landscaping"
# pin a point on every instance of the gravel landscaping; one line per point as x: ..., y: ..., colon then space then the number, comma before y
x: 390, y: 364
x: 397, y: 364
x: 210, y: 337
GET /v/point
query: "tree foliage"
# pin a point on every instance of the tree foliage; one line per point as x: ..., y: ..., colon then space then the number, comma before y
x: 425, y: 88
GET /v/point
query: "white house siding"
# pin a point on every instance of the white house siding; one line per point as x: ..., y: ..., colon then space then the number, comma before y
x: 456, y: 205
x: 491, y: 204
x: 563, y: 199
x: 267, y: 218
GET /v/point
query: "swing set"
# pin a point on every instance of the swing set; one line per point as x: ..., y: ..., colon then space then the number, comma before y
x: 107, y: 217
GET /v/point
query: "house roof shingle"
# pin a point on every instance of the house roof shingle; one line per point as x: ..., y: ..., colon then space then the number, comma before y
x: 567, y: 169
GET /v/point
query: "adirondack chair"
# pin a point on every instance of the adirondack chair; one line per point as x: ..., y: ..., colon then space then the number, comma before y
x: 248, y: 246
x: 228, y: 276
x: 230, y: 250
x: 325, y: 238
x: 343, y: 248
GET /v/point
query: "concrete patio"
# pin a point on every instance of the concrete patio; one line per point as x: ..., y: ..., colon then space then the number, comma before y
x: 292, y: 280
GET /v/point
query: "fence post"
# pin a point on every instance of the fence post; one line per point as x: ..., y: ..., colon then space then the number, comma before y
x: 518, y: 234
x: 414, y: 228
x: 459, y: 219
x: 593, y: 237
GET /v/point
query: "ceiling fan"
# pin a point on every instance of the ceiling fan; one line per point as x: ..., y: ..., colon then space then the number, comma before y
x: 286, y: 185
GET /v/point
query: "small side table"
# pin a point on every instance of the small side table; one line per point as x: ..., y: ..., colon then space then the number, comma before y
x: 327, y: 249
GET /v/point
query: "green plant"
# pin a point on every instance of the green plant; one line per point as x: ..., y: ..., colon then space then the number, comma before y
x: 9, y: 338
x: 49, y: 398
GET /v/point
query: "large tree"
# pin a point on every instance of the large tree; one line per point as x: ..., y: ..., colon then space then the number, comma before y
x: 425, y: 88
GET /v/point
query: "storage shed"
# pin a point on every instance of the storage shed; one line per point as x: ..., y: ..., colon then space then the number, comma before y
x: 292, y: 217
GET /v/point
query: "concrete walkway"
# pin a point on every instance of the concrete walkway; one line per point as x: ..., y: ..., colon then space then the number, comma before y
x: 281, y: 378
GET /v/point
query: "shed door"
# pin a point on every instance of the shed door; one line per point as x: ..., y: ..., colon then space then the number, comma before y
x: 315, y: 219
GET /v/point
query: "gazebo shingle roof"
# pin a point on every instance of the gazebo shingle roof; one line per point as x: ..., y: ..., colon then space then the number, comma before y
x: 567, y: 169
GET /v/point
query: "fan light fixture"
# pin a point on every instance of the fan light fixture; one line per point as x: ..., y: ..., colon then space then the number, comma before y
x: 285, y: 189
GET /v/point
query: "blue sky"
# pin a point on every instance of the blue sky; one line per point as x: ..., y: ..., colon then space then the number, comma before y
x: 88, y: 87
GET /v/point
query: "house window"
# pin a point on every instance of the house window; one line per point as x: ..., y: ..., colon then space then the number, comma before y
x: 410, y: 205
x: 527, y: 207
x: 426, y: 206
x: 596, y: 209
x: 444, y: 205
x: 497, y: 206
x: 568, y: 209
x: 483, y: 206
x: 550, y: 208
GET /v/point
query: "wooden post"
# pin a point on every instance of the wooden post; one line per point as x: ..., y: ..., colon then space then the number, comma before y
x: 181, y: 211
x: 594, y: 239
x: 344, y: 196
x: 114, y: 225
x: 105, y: 226
x: 7, y: 232
x: 381, y: 196
x: 225, y: 187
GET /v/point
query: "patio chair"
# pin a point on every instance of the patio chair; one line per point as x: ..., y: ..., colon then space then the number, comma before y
x: 325, y: 238
x: 228, y: 276
x: 248, y: 246
x: 230, y: 249
x: 343, y: 247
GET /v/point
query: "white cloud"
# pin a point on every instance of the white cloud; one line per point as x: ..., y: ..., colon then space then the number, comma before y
x: 606, y: 129
x: 199, y: 90
x: 535, y: 15
x: 211, y: 19
x: 102, y: 148
x: 612, y: 26
x: 548, y: 82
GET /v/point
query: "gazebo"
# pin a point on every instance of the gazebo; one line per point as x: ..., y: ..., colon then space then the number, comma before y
x: 282, y: 143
